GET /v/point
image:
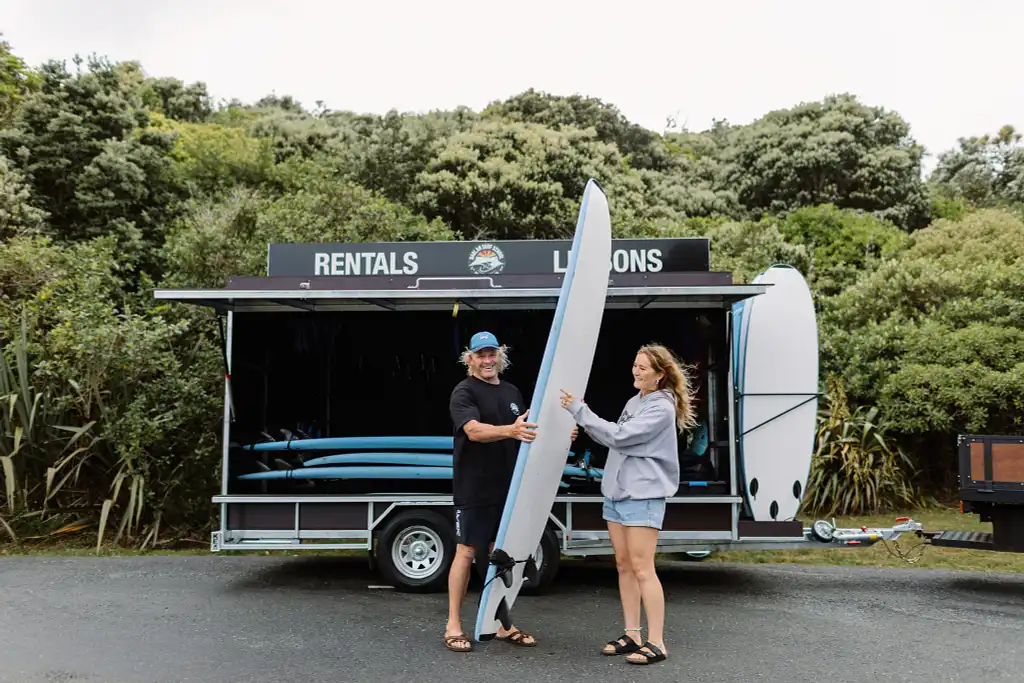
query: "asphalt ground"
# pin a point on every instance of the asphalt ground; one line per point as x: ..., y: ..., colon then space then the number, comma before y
x: 250, y: 618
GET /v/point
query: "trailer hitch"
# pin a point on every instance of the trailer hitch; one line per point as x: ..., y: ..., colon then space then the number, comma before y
x: 827, y: 532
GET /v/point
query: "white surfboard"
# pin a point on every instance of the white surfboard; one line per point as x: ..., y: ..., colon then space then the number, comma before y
x: 568, y: 357
x: 775, y: 361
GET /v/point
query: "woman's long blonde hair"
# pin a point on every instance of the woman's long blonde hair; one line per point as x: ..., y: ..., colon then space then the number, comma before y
x: 675, y: 381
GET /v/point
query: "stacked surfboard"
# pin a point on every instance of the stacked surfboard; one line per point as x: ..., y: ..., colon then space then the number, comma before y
x: 377, y: 457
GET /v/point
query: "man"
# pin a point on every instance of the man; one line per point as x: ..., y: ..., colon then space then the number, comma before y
x: 489, y: 419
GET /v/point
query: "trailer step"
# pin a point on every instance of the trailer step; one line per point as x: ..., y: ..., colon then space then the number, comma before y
x: 971, y: 540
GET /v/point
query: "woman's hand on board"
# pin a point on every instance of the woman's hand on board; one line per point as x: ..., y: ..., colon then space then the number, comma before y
x: 567, y: 399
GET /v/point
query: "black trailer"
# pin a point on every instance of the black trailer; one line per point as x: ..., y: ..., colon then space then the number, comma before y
x: 364, y: 339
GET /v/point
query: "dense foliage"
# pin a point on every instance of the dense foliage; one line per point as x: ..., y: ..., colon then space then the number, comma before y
x: 113, y: 182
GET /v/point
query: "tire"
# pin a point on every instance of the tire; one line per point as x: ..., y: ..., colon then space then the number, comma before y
x: 415, y: 548
x: 547, y: 564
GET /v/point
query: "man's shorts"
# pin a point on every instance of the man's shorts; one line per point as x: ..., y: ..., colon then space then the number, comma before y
x: 631, y: 512
x: 478, y: 526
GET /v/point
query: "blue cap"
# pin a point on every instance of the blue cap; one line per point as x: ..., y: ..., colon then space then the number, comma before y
x: 483, y: 340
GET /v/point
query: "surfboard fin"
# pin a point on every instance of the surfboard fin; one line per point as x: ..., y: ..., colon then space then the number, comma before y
x: 502, y: 615
x: 530, y: 570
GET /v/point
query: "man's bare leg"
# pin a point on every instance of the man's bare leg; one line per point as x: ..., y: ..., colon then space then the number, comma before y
x: 458, y: 583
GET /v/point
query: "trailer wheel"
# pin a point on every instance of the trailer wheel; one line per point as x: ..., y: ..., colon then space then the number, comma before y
x: 547, y: 557
x: 415, y: 549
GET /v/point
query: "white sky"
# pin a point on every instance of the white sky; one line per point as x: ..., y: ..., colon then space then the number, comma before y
x: 946, y: 66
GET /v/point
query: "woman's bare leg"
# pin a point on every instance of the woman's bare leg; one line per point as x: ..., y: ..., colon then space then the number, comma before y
x: 642, y: 542
x: 629, y: 588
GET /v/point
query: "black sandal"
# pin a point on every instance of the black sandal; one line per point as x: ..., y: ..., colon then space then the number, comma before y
x: 652, y: 655
x: 621, y: 648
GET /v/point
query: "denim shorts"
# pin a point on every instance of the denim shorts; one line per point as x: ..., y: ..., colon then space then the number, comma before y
x: 631, y: 512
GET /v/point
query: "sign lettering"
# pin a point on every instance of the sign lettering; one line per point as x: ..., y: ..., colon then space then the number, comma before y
x: 364, y: 263
x: 623, y: 261
x: 483, y: 258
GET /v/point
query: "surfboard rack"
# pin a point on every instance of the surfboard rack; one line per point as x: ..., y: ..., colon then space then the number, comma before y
x: 810, y: 397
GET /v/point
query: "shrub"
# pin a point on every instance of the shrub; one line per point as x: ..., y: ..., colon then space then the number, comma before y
x: 855, y: 468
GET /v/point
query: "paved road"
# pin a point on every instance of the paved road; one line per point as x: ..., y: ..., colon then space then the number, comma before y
x: 256, y: 619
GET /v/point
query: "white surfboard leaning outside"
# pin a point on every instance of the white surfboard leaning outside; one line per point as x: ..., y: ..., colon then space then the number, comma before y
x: 776, y: 367
x: 567, y: 361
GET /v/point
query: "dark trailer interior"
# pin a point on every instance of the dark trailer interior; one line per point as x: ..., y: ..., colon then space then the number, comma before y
x: 373, y: 373
x: 353, y: 357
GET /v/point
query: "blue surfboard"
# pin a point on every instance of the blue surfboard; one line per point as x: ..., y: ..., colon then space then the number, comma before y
x: 429, y: 459
x: 426, y: 443
x: 421, y: 459
x: 355, y: 472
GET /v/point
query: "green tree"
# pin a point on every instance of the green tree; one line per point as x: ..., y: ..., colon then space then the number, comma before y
x: 843, y: 243
x: 984, y: 171
x: 18, y: 215
x: 747, y: 248
x: 211, y: 159
x: 935, y: 335
x: 132, y: 382
x: 641, y: 148
x: 175, y: 100
x: 514, y: 180
x: 16, y: 82
x: 838, y: 152
x: 82, y: 143
x: 217, y: 239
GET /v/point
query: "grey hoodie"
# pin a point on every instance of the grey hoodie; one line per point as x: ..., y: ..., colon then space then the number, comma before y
x: 643, y: 451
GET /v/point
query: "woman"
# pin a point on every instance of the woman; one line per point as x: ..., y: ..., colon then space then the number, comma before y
x: 641, y: 472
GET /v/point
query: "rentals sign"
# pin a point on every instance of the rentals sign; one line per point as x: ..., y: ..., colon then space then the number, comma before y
x: 510, y: 257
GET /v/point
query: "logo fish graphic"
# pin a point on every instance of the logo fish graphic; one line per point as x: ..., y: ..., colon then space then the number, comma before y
x: 486, y: 259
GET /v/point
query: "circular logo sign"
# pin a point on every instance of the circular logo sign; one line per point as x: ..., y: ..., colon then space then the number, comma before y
x: 486, y: 259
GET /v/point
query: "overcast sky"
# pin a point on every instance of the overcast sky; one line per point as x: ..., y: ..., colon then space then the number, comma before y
x: 949, y: 67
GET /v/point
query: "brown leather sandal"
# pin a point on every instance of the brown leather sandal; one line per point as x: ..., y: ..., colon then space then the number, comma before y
x: 458, y: 637
x: 518, y: 637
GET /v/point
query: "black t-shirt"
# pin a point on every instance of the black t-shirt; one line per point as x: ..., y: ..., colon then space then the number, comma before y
x: 483, y: 471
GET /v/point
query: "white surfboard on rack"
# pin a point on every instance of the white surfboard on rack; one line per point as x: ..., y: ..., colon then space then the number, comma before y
x: 775, y: 362
x: 566, y: 364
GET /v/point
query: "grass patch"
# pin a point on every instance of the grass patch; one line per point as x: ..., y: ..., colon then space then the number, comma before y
x: 879, y: 555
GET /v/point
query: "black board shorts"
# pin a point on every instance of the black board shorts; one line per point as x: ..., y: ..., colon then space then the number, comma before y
x: 478, y: 526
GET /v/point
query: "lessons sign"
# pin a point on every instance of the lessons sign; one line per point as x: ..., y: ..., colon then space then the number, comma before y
x: 484, y: 258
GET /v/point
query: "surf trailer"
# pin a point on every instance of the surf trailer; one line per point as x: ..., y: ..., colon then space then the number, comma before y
x: 361, y: 341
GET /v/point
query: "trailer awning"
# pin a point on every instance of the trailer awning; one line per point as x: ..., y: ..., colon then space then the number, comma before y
x: 267, y: 300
